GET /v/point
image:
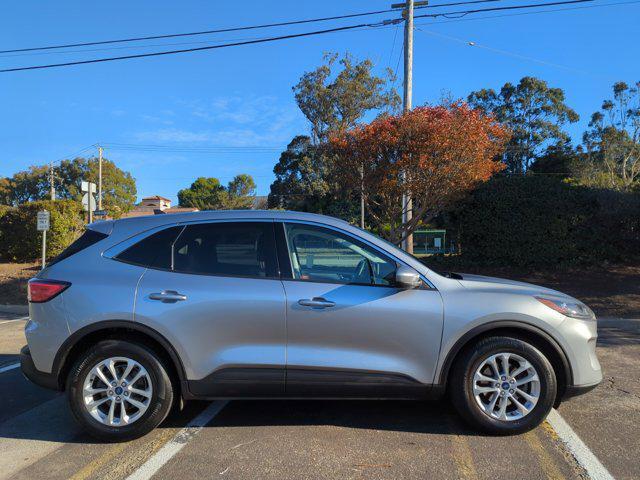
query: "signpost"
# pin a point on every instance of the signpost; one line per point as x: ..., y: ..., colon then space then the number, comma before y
x: 42, y: 224
x: 88, y: 200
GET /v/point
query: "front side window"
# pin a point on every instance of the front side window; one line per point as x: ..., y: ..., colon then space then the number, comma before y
x: 244, y: 249
x: 323, y: 255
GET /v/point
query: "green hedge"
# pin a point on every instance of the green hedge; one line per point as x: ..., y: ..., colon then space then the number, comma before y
x: 21, y: 242
x: 541, y: 220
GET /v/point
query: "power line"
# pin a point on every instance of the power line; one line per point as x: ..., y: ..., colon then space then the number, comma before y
x: 495, y: 9
x: 198, y: 49
x: 503, y: 52
x: 554, y: 10
x: 233, y: 29
x: 286, y: 37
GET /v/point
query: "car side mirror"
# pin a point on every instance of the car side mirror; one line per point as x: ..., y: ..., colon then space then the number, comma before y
x: 407, y: 277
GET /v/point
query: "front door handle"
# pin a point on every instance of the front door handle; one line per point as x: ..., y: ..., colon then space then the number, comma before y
x: 168, y: 296
x: 316, y: 302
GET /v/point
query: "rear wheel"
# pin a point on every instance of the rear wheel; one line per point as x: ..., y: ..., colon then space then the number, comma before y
x: 503, y: 385
x: 119, y: 390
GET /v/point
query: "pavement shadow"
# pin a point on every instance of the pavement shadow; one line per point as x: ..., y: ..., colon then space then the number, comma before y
x: 7, y: 358
x: 612, y: 336
x: 401, y: 416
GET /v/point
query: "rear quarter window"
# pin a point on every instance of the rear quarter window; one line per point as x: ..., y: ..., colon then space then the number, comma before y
x: 153, y: 251
x: 88, y: 238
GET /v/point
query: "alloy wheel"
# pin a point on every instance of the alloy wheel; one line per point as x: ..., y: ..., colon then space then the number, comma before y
x: 506, y: 386
x: 117, y: 391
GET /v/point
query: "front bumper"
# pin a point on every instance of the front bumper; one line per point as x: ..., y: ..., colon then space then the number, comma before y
x: 575, y: 390
x: 42, y: 379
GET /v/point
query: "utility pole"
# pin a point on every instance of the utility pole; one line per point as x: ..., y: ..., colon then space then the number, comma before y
x: 407, y: 13
x: 99, y: 178
x: 52, y: 186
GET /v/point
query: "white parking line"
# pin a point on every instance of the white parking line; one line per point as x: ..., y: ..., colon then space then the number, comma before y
x: 166, y: 453
x: 14, y: 320
x: 6, y: 368
x: 585, y: 457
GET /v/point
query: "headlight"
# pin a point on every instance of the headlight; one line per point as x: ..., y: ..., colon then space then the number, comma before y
x: 570, y: 308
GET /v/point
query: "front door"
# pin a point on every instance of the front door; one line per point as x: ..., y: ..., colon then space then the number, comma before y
x: 217, y: 298
x: 351, y: 331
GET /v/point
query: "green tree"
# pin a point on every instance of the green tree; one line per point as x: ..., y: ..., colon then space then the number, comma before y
x: 119, y: 191
x: 28, y: 185
x: 334, y: 97
x: 300, y: 179
x: 118, y: 187
x: 209, y: 194
x: 241, y: 192
x: 613, y: 140
x: 559, y: 160
x: 534, y: 112
x: 5, y: 191
x: 335, y: 102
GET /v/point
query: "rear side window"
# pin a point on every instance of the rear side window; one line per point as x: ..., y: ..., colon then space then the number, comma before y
x: 88, y: 238
x: 153, y: 251
x: 245, y: 249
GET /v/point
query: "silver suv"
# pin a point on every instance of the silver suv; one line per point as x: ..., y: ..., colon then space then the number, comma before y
x: 141, y: 312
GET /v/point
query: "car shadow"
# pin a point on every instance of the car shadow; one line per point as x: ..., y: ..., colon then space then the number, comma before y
x: 52, y: 421
x: 433, y: 417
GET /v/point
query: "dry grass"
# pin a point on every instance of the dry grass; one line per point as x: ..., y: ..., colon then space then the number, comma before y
x: 13, y: 282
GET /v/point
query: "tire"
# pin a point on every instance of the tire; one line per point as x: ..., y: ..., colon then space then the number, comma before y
x: 151, y: 406
x: 476, y: 408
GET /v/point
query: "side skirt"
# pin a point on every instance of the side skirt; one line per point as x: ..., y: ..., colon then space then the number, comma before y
x: 304, y: 383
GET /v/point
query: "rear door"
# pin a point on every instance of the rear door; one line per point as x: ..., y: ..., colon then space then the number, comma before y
x: 351, y: 331
x: 216, y: 296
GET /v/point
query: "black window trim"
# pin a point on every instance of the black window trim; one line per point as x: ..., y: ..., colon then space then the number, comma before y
x: 283, y: 255
x: 184, y: 225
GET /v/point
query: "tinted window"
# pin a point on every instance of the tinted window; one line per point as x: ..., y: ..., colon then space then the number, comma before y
x: 88, y: 238
x: 323, y: 255
x: 235, y: 248
x: 153, y: 251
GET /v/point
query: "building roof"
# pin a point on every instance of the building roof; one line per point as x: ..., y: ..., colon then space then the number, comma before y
x: 180, y: 210
x: 156, y: 197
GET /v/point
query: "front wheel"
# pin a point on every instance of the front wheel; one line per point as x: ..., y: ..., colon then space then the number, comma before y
x: 503, y: 385
x: 119, y: 390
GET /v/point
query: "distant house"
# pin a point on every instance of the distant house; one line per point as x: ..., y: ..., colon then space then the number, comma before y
x: 156, y: 205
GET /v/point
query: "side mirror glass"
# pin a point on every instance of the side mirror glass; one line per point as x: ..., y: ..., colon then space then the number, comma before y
x: 407, y: 277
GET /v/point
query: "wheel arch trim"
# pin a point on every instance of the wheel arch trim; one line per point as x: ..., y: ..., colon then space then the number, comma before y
x: 487, y: 328
x: 61, y: 360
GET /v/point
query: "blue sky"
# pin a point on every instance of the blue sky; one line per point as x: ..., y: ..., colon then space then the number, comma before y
x: 226, y: 103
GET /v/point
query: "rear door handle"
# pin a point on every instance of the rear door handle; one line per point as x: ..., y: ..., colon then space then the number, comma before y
x: 168, y: 296
x: 316, y: 302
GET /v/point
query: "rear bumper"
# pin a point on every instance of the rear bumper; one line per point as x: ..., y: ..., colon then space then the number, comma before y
x: 42, y: 379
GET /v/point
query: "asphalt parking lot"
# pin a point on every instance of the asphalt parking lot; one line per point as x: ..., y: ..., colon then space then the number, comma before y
x: 310, y: 439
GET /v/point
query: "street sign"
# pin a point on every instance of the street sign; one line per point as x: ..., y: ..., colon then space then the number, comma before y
x: 88, y: 187
x: 88, y: 202
x: 100, y: 213
x: 42, y: 224
x: 43, y: 221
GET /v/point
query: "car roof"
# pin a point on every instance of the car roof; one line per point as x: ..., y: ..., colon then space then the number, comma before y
x: 136, y: 224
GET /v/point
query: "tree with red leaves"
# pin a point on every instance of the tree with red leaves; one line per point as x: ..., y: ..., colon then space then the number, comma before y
x: 441, y: 151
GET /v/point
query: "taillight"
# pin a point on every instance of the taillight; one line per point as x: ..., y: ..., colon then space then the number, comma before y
x: 44, y: 290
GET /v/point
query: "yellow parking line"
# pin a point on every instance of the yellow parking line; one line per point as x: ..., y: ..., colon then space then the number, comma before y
x: 92, y: 467
x: 146, y: 450
x: 549, y: 467
x: 463, y: 458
